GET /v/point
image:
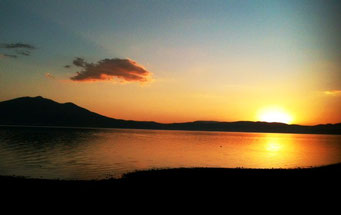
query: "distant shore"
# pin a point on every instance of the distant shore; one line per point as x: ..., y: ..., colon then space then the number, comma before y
x: 160, y: 129
x: 52, y: 113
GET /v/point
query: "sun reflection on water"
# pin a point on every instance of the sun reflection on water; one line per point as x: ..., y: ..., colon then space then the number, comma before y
x: 273, y: 147
x: 277, y: 150
x: 95, y: 154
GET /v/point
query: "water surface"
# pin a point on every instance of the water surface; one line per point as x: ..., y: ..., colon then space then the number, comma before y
x: 72, y: 153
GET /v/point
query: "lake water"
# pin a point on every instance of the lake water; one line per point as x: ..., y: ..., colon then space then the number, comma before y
x: 71, y: 153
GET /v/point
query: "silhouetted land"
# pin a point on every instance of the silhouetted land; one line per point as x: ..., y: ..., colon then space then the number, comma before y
x: 325, y: 177
x: 38, y: 111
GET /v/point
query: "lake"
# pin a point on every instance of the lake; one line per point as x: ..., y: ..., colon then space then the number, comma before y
x: 79, y: 153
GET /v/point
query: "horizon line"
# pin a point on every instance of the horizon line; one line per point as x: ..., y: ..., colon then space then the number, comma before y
x: 32, y: 97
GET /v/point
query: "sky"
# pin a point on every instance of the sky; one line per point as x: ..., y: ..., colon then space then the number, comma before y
x: 176, y: 61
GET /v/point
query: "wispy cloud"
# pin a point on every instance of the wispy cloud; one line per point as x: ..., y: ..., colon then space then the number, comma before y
x: 8, y: 56
x: 17, y: 49
x: 17, y: 45
x: 125, y: 70
x: 24, y: 52
x: 332, y: 92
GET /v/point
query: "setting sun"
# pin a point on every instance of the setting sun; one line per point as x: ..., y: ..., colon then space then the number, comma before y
x: 275, y: 115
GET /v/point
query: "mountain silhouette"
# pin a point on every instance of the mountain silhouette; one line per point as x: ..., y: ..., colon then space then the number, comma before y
x: 39, y: 111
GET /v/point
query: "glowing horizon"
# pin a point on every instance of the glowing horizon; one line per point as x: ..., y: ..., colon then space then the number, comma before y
x: 275, y: 115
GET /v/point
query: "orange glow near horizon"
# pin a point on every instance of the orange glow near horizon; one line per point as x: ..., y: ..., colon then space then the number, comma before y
x: 275, y: 115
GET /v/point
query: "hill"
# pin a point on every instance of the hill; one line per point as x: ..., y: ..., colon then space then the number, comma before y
x: 39, y: 111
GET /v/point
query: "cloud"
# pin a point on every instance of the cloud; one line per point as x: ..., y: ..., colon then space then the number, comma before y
x: 17, y: 49
x: 49, y: 76
x: 79, y: 62
x: 25, y: 52
x: 17, y: 45
x: 8, y: 56
x: 108, y: 69
x: 332, y: 92
x: 67, y: 66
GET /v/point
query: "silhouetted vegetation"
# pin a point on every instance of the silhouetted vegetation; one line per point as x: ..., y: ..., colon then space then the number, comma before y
x: 237, y: 179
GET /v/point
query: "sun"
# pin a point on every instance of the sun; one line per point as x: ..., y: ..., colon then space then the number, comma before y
x: 274, y: 115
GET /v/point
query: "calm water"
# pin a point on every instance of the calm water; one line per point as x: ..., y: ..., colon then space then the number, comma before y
x: 69, y: 153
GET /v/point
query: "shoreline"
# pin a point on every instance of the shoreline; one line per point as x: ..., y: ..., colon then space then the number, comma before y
x: 181, y: 176
x: 163, y: 129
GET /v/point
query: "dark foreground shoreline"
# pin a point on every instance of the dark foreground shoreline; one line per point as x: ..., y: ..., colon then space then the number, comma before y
x: 325, y: 177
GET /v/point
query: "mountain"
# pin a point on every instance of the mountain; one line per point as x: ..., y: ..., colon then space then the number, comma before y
x: 39, y: 111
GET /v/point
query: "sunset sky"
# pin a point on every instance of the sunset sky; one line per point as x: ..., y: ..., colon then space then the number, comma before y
x: 176, y: 61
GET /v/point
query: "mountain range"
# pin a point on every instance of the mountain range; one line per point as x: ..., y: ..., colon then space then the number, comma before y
x: 39, y: 111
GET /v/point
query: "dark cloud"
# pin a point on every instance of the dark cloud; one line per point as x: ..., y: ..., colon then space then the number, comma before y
x: 17, y: 48
x: 107, y: 69
x: 67, y: 66
x: 79, y: 62
x: 17, y: 45
x: 25, y: 52
x: 8, y: 56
